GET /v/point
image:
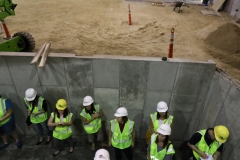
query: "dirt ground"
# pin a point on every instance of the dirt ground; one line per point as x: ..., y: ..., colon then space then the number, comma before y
x: 88, y: 27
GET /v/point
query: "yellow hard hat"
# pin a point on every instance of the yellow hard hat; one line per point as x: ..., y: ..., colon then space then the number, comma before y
x: 61, y: 104
x: 221, y: 133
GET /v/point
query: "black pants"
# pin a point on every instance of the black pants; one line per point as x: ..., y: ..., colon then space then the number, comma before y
x: 127, y: 152
x: 57, y: 143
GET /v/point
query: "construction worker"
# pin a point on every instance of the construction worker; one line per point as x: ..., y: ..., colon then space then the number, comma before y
x: 37, y: 110
x: 61, y: 119
x: 208, y: 143
x: 159, y: 117
x: 102, y: 154
x: 92, y: 122
x: 7, y: 124
x: 122, y: 134
x: 160, y: 148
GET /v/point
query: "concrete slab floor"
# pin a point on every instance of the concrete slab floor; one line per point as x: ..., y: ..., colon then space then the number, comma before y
x: 82, y: 150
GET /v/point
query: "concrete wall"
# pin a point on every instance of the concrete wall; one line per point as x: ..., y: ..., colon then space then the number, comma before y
x: 136, y: 83
x: 232, y: 6
x: 222, y: 107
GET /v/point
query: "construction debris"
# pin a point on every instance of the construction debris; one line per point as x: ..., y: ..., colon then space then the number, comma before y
x: 38, y: 54
x: 45, y: 54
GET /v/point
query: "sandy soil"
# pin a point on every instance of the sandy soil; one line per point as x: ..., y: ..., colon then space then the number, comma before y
x: 88, y: 27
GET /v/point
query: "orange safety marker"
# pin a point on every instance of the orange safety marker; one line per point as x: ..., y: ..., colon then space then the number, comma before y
x: 8, y: 35
x: 170, y: 53
x: 129, y: 15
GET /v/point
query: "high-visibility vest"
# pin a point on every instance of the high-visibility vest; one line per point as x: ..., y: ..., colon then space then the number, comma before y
x: 93, y: 126
x: 155, y: 121
x: 62, y: 132
x: 154, y: 154
x: 38, y: 118
x: 202, y: 146
x: 3, y: 111
x: 121, y: 140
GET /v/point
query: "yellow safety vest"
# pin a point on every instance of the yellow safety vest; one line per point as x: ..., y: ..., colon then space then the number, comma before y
x: 155, y: 121
x: 154, y: 154
x: 38, y: 118
x: 202, y: 146
x: 93, y: 126
x: 121, y: 140
x: 3, y: 111
x: 62, y: 132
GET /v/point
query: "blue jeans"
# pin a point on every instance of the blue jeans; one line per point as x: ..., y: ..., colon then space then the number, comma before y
x: 40, y: 126
x: 8, y: 127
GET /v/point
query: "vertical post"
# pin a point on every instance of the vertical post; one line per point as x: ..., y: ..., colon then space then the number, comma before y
x: 8, y: 35
x: 170, y: 53
x: 129, y: 15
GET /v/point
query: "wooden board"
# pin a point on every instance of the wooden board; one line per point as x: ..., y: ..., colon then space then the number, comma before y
x: 209, y: 12
x: 1, y: 28
x: 217, y: 5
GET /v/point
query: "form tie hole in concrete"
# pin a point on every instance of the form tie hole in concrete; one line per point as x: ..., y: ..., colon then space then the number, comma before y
x: 164, y: 58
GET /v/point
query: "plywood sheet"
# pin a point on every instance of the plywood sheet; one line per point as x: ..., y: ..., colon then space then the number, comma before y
x: 208, y: 12
x: 1, y: 28
x: 217, y: 4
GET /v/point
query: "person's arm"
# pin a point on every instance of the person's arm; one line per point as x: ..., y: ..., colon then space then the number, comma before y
x: 110, y: 137
x: 85, y: 121
x: 133, y: 136
x: 100, y: 114
x: 9, y: 113
x: 193, y: 147
x: 193, y: 141
x: 216, y: 154
x: 50, y: 122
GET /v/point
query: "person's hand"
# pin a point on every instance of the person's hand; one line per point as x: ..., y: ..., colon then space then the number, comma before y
x: 203, y: 155
x: 110, y: 143
x: 94, y: 116
x: 132, y: 144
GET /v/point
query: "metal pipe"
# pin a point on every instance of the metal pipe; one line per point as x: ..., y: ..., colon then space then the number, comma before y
x: 170, y: 53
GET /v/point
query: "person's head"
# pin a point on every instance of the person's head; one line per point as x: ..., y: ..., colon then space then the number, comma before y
x: 30, y: 94
x: 164, y: 131
x: 121, y: 115
x: 220, y: 133
x: 102, y: 154
x: 88, y: 102
x: 162, y: 109
x: 61, y: 107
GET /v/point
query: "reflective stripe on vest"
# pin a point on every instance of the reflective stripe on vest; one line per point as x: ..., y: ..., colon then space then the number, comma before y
x: 121, y: 140
x: 154, y: 154
x: 3, y: 111
x: 93, y: 126
x: 155, y: 121
x: 62, y: 132
x: 37, y: 118
x: 202, y: 146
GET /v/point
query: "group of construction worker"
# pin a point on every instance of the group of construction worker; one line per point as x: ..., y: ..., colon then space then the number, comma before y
x: 205, y: 144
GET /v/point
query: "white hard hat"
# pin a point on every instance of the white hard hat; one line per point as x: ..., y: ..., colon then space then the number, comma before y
x: 102, y: 154
x: 122, y: 111
x: 164, y: 129
x: 88, y: 100
x: 30, y: 94
x: 162, y: 106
